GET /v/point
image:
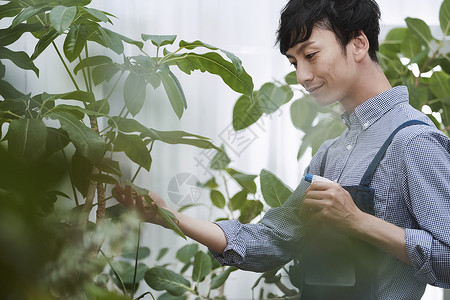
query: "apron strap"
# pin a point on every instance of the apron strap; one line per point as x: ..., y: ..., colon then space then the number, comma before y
x: 367, y: 177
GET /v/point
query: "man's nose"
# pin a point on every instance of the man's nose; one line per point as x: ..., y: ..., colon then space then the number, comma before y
x: 304, y: 75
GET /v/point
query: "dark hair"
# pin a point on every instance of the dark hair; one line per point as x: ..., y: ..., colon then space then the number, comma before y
x: 346, y: 18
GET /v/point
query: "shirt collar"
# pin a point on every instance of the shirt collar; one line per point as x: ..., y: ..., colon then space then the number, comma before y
x: 372, y: 109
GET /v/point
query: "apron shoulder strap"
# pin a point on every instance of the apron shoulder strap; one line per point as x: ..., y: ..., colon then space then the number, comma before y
x: 367, y: 177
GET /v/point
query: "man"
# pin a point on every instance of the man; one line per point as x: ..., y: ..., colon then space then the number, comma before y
x: 387, y: 213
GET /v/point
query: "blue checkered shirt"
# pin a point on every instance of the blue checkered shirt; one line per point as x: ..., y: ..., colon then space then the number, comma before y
x: 412, y: 191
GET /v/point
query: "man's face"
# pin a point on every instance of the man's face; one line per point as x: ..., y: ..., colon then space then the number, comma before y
x: 322, y: 67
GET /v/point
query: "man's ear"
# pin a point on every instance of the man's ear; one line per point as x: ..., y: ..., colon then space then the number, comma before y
x: 360, y: 46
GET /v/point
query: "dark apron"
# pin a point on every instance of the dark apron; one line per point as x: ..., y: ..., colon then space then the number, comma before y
x: 334, y: 266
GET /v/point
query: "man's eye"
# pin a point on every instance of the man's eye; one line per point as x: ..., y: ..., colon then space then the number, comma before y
x: 310, y: 56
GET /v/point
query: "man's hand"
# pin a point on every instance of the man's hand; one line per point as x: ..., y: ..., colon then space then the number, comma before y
x: 329, y: 203
x: 148, y: 212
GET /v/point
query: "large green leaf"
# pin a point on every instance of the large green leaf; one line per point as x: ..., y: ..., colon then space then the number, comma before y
x: 214, y: 63
x: 27, y: 13
x: 440, y: 84
x: 159, y: 40
x: 393, y: 41
x: 134, y: 92
x: 104, y: 72
x: 270, y: 97
x: 2, y: 70
x: 220, y: 161
x: 444, y: 17
x: 170, y: 218
x: 234, y: 59
x: 91, y: 62
x: 410, y: 46
x: 57, y: 139
x: 75, y: 41
x: 20, y: 59
x: 202, y: 266
x: 250, y: 210
x: 162, y: 279
x: 10, y: 9
x: 98, y: 14
x: 81, y: 168
x: 142, y: 253
x: 220, y: 279
x: 421, y: 30
x: 110, y: 166
x: 247, y: 182
x: 274, y: 191
x: 8, y: 91
x: 238, y: 200
x: 303, y: 113
x: 245, y: 113
x: 87, y: 143
x: 112, y: 40
x: 43, y: 43
x: 174, y: 92
x: 27, y: 139
x: 126, y: 272
x: 291, y: 78
x: 10, y: 35
x: 217, y: 198
x: 186, y: 253
x: 134, y: 148
x: 61, y: 17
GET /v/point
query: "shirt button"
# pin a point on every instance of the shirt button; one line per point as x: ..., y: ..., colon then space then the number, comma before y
x: 349, y: 147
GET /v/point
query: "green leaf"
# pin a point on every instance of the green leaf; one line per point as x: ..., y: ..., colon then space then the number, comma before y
x: 91, y: 62
x: 274, y: 191
x: 2, y: 70
x: 112, y: 40
x: 174, y: 92
x: 134, y: 91
x: 393, y: 41
x: 247, y: 182
x: 162, y: 279
x: 20, y: 59
x: 210, y: 184
x: 81, y: 168
x: 238, y: 200
x: 107, y: 165
x: 57, y: 139
x: 100, y: 15
x: 143, y: 253
x: 169, y: 218
x: 10, y: 9
x: 421, y: 30
x: 99, y: 108
x: 162, y: 253
x: 8, y: 91
x: 444, y: 17
x: 126, y: 272
x: 87, y: 143
x: 291, y: 78
x: 186, y: 253
x: 61, y: 17
x: 251, y: 210
x: 217, y: 199
x: 418, y: 96
x: 27, y: 138
x: 245, y: 113
x: 234, y: 59
x: 411, y: 46
x: 105, y: 72
x: 10, y: 35
x: 214, y: 63
x: 44, y: 42
x: 303, y: 113
x: 440, y: 84
x: 75, y: 41
x: 103, y: 178
x: 159, y: 40
x: 127, y: 40
x: 220, y: 161
x: 27, y: 13
x: 134, y: 148
x: 270, y: 97
x: 220, y: 279
x: 167, y: 296
x: 202, y: 266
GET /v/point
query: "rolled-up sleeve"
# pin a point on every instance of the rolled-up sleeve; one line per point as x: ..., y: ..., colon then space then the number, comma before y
x: 427, y: 190
x: 271, y: 243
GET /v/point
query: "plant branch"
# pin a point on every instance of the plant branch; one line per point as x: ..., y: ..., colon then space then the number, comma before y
x: 115, y: 273
x: 66, y: 67
x: 144, y: 294
x: 115, y: 85
x: 136, y: 260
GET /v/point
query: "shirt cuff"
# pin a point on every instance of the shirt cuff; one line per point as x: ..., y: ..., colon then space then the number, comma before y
x: 234, y: 252
x: 418, y: 248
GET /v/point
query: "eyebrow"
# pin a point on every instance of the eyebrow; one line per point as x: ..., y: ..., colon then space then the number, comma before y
x: 301, y: 48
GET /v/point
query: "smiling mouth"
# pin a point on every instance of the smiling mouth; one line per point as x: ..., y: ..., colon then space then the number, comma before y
x: 314, y: 90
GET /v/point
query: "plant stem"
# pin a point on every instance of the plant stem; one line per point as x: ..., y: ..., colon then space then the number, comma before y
x: 66, y: 67
x: 115, y: 273
x: 144, y: 294
x: 88, y: 68
x: 136, y: 260
x: 101, y: 207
